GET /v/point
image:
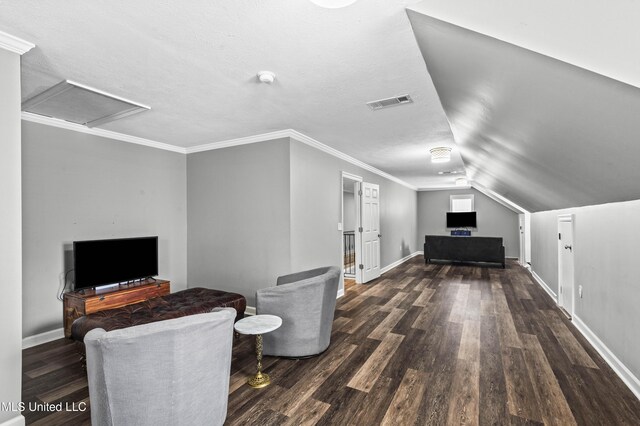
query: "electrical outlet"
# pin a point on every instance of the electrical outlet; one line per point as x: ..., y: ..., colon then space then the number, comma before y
x: 580, y: 291
x: 339, y: 226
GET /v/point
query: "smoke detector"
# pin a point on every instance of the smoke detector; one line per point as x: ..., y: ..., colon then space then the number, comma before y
x: 266, y: 77
x: 389, y: 102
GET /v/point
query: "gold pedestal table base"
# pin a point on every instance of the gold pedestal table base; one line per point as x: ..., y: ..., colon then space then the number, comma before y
x: 258, y: 325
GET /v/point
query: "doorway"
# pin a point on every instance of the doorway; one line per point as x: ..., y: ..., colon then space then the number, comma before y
x: 521, y: 226
x: 360, y: 240
x: 370, y: 234
x: 566, y: 250
x: 349, y: 224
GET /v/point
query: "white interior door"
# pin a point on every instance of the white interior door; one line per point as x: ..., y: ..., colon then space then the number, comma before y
x: 565, y: 263
x: 370, y: 230
x: 523, y: 245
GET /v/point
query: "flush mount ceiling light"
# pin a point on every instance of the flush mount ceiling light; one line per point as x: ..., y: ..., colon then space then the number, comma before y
x: 80, y: 104
x: 266, y: 77
x: 462, y: 181
x: 441, y: 154
x: 333, y: 4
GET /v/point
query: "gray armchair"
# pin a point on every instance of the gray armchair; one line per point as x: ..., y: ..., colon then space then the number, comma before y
x: 173, y: 372
x: 306, y: 302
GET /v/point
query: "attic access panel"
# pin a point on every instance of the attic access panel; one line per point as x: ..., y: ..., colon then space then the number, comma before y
x: 81, y: 104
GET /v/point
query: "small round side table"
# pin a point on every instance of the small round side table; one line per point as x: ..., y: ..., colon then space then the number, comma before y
x: 257, y: 325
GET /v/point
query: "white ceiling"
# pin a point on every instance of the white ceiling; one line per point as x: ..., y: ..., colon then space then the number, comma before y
x: 529, y: 127
x: 195, y: 64
x: 543, y: 133
x: 593, y: 34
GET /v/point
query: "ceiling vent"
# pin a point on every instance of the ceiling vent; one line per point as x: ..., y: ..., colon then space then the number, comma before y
x: 389, y: 102
x: 81, y: 104
x: 450, y: 172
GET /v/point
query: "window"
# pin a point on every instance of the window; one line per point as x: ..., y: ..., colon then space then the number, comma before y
x: 461, y: 203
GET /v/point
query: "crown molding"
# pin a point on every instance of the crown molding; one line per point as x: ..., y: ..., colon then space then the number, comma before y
x: 341, y: 155
x: 15, y: 44
x: 300, y: 137
x: 41, y: 119
x: 499, y: 198
x: 264, y: 137
x: 443, y: 188
x: 486, y: 191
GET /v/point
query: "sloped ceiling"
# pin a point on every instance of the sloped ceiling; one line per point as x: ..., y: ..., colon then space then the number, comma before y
x: 535, y: 130
x: 540, y: 132
x: 591, y: 34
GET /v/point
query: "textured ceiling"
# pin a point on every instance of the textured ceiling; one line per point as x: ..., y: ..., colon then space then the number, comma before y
x: 540, y: 132
x: 595, y: 35
x: 195, y: 64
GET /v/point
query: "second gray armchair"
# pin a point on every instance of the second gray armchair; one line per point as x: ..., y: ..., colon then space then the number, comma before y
x: 306, y: 302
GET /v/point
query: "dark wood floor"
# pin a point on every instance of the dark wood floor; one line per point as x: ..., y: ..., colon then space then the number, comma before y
x: 348, y: 283
x: 424, y: 344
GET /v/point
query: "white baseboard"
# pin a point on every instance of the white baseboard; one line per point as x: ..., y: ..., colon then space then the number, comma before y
x: 41, y: 338
x: 544, y: 286
x: 15, y: 421
x: 250, y: 310
x: 629, y: 379
x: 400, y: 262
x: 621, y: 370
x: 340, y: 293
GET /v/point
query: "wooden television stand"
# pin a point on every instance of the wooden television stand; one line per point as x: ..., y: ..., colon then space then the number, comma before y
x: 88, y: 301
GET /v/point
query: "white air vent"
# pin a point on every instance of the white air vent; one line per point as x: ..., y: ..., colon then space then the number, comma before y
x: 450, y: 172
x: 81, y: 104
x: 389, y: 102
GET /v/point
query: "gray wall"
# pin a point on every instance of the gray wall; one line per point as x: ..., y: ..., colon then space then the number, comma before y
x: 544, y: 250
x: 238, y: 220
x: 316, y: 192
x: 266, y: 209
x: 349, y: 209
x: 605, y: 266
x: 78, y: 186
x: 494, y: 219
x: 10, y: 238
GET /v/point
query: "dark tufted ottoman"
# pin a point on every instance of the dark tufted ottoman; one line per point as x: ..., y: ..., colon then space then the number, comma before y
x: 182, y: 303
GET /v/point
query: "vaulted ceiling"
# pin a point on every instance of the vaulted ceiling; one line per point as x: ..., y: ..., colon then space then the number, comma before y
x: 543, y: 133
x: 536, y: 130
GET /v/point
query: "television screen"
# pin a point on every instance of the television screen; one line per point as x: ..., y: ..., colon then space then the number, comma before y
x: 101, y: 262
x: 461, y: 220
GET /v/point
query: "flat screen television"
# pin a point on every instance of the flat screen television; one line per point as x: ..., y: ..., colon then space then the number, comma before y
x: 461, y: 220
x: 102, y: 262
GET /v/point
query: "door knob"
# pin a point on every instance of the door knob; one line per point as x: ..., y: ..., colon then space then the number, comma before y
x: 379, y: 235
x: 568, y: 247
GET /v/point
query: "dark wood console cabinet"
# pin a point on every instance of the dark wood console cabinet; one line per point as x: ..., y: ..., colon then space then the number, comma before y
x: 84, y: 302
